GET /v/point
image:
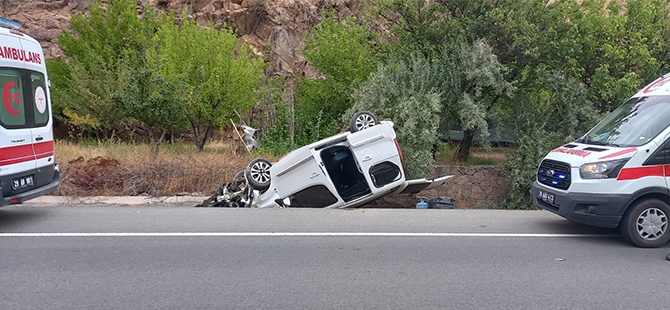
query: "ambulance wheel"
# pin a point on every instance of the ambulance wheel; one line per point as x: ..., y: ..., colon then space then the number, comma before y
x: 362, y: 120
x: 645, y: 223
x: 258, y: 174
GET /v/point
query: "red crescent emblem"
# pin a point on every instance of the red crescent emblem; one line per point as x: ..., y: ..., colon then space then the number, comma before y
x: 7, y: 98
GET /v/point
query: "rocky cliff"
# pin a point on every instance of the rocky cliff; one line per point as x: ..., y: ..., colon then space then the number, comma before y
x: 274, y: 28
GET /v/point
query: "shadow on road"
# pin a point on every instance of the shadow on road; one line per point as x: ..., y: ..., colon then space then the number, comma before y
x: 13, y: 217
x: 563, y: 226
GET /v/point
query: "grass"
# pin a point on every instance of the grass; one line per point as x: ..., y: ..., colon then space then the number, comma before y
x: 92, y: 168
x: 478, y: 156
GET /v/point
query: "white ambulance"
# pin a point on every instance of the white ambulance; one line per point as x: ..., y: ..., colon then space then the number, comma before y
x: 27, y: 164
x: 616, y: 175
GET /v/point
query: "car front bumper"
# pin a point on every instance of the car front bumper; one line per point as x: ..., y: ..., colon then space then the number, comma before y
x: 602, y: 210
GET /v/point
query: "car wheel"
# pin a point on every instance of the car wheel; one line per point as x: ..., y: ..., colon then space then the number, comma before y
x: 645, y: 223
x: 258, y: 174
x: 362, y: 120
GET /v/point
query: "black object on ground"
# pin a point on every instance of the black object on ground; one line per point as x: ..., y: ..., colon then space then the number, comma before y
x: 216, y: 202
x: 441, y: 203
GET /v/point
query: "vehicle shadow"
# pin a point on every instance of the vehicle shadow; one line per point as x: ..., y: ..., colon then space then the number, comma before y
x: 563, y: 226
x: 567, y: 227
x: 15, y: 217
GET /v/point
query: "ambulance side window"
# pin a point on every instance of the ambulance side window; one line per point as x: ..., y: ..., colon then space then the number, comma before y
x: 661, y: 156
x: 12, y: 111
x: 40, y: 98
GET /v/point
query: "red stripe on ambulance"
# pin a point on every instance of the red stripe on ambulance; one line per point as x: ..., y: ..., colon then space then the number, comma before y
x: 22, y: 153
x: 43, y: 147
x: 641, y: 172
x: 626, y: 151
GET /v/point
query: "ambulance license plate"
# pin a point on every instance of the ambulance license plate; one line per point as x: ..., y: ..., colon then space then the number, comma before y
x: 546, y: 197
x: 23, y: 182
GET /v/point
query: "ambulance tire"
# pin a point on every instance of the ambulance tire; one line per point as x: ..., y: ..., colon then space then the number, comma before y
x: 637, y: 213
x: 258, y: 174
x: 362, y: 120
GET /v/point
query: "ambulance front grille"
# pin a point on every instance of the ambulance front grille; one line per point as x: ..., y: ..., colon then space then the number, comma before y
x: 554, y: 173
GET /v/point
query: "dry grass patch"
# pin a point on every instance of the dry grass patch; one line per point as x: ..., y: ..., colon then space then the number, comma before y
x: 121, y: 168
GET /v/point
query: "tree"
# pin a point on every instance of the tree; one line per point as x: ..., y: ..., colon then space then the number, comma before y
x: 416, y: 26
x: 145, y: 95
x: 471, y: 80
x: 404, y: 91
x: 90, y: 75
x: 557, y: 112
x: 215, y: 77
x: 342, y: 52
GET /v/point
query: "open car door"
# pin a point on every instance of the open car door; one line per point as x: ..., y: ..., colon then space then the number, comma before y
x: 417, y: 185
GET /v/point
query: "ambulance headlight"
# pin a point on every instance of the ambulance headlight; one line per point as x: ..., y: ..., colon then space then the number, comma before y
x: 602, y: 170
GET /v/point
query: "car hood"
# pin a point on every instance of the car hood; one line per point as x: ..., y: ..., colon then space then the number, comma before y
x: 577, y: 154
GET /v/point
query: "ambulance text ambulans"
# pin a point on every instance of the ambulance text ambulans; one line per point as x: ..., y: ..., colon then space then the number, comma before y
x: 616, y: 175
x: 27, y: 164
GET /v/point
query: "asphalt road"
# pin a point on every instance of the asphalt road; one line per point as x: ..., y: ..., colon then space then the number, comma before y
x: 115, y: 257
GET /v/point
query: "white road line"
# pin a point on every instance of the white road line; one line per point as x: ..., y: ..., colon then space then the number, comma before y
x: 302, y: 234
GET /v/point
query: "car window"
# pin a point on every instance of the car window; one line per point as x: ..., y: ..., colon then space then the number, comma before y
x: 317, y: 196
x: 12, y: 111
x: 25, y: 103
x: 661, y: 156
x: 40, y: 99
x: 384, y: 173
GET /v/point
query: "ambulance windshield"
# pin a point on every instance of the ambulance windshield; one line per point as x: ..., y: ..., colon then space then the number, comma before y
x: 634, y: 123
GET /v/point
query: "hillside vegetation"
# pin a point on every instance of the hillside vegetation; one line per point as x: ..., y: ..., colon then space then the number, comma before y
x: 548, y: 70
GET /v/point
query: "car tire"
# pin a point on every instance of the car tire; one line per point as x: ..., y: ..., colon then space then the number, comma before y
x: 258, y: 174
x: 645, y: 223
x: 362, y: 120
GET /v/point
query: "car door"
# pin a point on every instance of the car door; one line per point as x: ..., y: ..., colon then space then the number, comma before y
x: 38, y: 101
x: 17, y: 158
x: 417, y: 185
x: 372, y: 146
x: 300, y: 172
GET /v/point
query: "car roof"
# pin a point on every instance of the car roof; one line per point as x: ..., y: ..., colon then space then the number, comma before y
x: 12, y: 33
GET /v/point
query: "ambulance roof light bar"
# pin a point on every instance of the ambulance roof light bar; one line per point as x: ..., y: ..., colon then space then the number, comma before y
x: 9, y: 23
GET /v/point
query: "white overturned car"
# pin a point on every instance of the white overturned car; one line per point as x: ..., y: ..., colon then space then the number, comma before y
x: 346, y: 170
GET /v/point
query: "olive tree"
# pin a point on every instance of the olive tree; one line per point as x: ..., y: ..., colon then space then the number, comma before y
x: 404, y: 92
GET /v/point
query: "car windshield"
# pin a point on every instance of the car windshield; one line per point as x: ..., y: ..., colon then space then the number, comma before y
x: 634, y: 123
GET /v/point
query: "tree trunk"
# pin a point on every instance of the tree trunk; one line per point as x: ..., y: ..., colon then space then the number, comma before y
x: 463, y: 150
x: 156, y: 144
x: 200, y: 144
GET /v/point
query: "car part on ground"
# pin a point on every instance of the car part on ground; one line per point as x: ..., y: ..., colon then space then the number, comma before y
x: 249, y: 137
x: 236, y: 194
x: 441, y: 203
